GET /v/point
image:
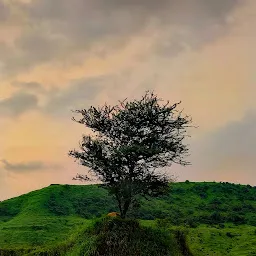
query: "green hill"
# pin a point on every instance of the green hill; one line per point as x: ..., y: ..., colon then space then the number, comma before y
x: 216, y: 217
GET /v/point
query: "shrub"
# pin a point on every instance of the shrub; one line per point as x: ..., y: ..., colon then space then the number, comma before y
x: 116, y: 236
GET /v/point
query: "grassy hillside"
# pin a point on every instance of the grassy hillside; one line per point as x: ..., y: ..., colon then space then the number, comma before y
x: 228, y: 240
x: 191, y: 203
x: 56, y: 213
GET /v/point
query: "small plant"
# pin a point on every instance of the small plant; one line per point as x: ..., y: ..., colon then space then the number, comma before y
x: 229, y: 234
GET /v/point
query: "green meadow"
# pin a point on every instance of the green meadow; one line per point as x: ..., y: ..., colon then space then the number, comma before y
x: 193, y: 219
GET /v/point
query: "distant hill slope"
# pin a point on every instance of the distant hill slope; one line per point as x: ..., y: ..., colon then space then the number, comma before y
x: 54, y: 212
x: 202, y: 201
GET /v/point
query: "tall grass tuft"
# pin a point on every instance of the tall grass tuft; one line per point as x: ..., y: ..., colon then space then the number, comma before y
x: 123, y: 237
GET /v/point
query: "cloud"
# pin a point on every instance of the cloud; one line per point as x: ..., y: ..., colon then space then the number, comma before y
x: 29, y: 87
x: 226, y: 154
x: 87, y: 22
x: 62, y: 30
x: 4, y: 11
x: 180, y: 49
x: 18, y: 104
x: 26, y: 167
x: 79, y: 94
x: 233, y: 145
x: 21, y: 167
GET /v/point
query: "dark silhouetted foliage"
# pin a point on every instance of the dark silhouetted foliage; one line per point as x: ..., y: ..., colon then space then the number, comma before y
x: 130, y: 141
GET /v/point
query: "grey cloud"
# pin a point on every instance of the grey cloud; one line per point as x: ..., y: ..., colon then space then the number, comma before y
x: 79, y: 94
x: 31, y: 166
x: 227, y: 154
x: 233, y: 145
x: 92, y: 20
x: 17, y: 104
x: 34, y: 46
x: 57, y: 29
x: 29, y: 87
x: 59, y: 9
x: 26, y: 167
x: 4, y: 11
x: 197, y: 22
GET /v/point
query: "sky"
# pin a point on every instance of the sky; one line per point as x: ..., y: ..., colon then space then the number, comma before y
x: 61, y: 55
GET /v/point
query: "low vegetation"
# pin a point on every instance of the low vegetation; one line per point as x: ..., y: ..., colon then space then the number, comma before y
x: 197, y: 218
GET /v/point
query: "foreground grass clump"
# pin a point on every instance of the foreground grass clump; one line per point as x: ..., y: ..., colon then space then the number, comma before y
x: 116, y: 236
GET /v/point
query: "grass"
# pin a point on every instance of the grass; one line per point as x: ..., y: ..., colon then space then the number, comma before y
x: 38, y: 231
x: 111, y: 237
x: 213, y: 218
x: 231, y: 240
x: 129, y: 238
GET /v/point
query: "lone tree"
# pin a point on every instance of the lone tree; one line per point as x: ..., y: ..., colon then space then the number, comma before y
x: 129, y: 142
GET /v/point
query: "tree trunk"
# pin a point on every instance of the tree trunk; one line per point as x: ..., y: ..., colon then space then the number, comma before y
x: 125, y: 208
x: 124, y: 199
x: 119, y: 205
